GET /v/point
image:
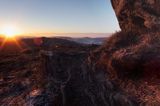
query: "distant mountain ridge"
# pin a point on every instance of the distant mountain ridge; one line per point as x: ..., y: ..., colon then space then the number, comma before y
x: 88, y: 40
x: 72, y: 35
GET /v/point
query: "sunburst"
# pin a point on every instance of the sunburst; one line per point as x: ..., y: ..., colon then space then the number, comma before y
x: 10, y: 31
x: 10, y: 34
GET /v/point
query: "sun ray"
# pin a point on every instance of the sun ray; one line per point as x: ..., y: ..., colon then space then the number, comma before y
x: 17, y: 43
x: 3, y: 43
x: 10, y: 33
x: 14, y: 40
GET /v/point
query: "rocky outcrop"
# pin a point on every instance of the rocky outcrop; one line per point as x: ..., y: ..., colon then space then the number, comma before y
x: 72, y: 81
x: 131, y: 57
x: 138, y: 42
x: 57, y: 78
x: 137, y: 15
x: 123, y: 72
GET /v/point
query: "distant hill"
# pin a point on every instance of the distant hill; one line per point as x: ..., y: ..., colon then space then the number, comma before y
x: 49, y: 43
x: 74, y: 35
x: 88, y: 40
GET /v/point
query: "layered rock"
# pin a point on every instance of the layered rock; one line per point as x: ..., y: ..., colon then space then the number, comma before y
x: 137, y: 15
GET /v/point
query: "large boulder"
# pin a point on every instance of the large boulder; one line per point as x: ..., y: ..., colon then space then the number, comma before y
x: 138, y: 42
x: 131, y: 57
x: 137, y: 15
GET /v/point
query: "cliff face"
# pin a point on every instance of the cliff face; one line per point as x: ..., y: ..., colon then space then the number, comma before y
x: 137, y: 15
x: 132, y: 56
x: 139, y: 41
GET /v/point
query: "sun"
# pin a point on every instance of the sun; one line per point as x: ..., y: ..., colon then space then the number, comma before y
x: 10, y: 31
x: 11, y: 34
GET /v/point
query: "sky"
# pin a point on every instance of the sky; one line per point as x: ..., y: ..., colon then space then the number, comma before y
x: 59, y: 16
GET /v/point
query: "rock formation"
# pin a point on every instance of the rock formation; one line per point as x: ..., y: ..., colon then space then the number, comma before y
x: 139, y: 40
x: 137, y: 14
x: 63, y: 76
x: 122, y: 72
x: 132, y: 56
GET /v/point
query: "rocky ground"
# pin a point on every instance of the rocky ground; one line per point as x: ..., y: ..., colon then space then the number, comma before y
x: 57, y: 77
x: 124, y: 71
